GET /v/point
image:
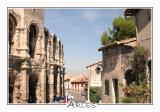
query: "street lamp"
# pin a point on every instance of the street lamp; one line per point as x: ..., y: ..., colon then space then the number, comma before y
x: 98, y: 69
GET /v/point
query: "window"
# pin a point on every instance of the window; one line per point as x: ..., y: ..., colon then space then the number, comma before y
x: 107, y: 87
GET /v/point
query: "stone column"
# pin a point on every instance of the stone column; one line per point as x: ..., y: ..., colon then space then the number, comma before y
x: 43, y: 83
x: 63, y: 88
x: 48, y: 59
x: 55, y: 80
x: 15, y: 41
x: 51, y: 83
x: 24, y: 89
x: 24, y: 42
x: 38, y: 91
x: 58, y: 81
x: 16, y: 96
x: 43, y: 70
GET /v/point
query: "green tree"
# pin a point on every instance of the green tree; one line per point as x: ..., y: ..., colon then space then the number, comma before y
x: 123, y: 28
x: 105, y: 39
x: 95, y: 94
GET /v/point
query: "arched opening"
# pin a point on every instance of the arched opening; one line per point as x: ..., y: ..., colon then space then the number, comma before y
x: 12, y: 29
x: 59, y: 48
x: 149, y: 67
x: 33, y: 80
x: 12, y: 78
x: 46, y: 32
x: 47, y: 89
x: 129, y: 77
x: 55, y: 81
x: 33, y: 36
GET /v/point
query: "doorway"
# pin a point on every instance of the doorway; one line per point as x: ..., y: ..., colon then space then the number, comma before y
x: 116, y: 91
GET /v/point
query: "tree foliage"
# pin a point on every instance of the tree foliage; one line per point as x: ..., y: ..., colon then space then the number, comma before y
x: 95, y: 94
x: 105, y: 39
x: 140, y: 91
x: 139, y: 63
x: 121, y: 29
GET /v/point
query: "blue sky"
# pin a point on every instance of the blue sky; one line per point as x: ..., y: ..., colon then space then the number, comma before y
x: 80, y: 31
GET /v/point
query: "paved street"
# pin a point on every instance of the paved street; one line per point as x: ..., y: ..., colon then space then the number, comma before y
x: 77, y: 96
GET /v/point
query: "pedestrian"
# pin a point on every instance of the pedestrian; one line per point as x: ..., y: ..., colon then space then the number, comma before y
x: 65, y: 99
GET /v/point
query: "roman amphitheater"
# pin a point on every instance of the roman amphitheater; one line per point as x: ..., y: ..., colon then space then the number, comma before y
x: 36, y: 58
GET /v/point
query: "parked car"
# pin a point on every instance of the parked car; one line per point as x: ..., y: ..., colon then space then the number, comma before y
x: 59, y: 99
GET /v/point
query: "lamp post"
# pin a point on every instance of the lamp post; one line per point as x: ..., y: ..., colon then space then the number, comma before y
x: 98, y: 68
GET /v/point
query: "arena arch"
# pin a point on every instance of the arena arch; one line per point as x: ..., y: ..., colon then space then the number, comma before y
x: 149, y: 68
x: 12, y: 78
x: 12, y: 30
x: 33, y: 80
x: 33, y: 37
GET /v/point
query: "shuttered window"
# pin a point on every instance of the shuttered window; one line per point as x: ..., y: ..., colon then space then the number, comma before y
x: 107, y: 87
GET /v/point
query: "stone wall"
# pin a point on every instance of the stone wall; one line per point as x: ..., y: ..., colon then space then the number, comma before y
x: 143, y: 23
x: 39, y: 68
x: 116, y: 60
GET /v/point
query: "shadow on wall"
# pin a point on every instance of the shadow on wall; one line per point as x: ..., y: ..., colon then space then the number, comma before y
x: 47, y: 88
x: 12, y: 29
x: 12, y: 78
x: 111, y: 58
x: 33, y: 80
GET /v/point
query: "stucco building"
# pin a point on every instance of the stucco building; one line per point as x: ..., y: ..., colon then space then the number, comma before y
x: 115, y: 65
x: 75, y: 83
x: 94, y: 74
x: 36, y: 58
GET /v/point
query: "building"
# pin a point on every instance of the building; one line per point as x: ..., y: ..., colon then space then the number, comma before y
x: 67, y: 82
x: 79, y: 84
x: 94, y: 74
x: 143, y: 26
x: 143, y: 30
x: 36, y: 58
x: 115, y: 66
x: 75, y: 83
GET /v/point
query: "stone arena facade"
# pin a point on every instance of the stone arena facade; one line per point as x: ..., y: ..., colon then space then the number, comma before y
x: 36, y: 58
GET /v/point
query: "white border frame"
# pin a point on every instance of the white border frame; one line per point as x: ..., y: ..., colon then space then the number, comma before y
x: 108, y: 3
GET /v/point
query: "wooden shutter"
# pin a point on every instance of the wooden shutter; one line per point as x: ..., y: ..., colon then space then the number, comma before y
x: 107, y: 87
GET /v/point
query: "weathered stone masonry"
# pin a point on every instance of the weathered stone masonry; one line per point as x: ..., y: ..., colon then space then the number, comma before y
x: 36, y: 58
